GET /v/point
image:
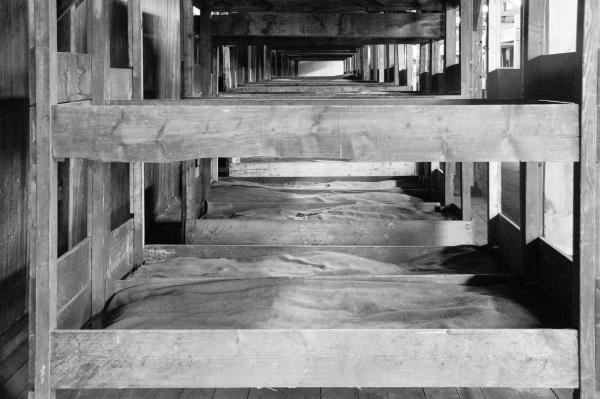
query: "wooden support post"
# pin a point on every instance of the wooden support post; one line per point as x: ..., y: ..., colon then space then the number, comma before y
x: 227, y: 68
x: 381, y: 49
x: 365, y: 69
x: 585, y: 221
x: 450, y: 59
x: 425, y: 68
x: 466, y: 179
x: 449, y: 173
x: 249, y: 68
x: 435, y: 65
x: 494, y: 200
x: 187, y: 47
x: 494, y: 52
x: 205, y: 46
x: 466, y: 48
x: 138, y: 208
x: 136, y: 44
x: 44, y: 172
x: 214, y: 75
x: 98, y: 44
x: 397, y: 59
x: 532, y: 212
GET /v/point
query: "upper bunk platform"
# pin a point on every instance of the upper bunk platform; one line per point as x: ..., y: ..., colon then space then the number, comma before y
x: 405, y: 128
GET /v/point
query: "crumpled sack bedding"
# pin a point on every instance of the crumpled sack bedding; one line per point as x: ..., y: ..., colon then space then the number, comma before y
x: 336, y: 200
x: 464, y: 259
x: 297, y: 303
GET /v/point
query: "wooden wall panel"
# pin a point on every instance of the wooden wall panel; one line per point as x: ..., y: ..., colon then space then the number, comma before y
x: 14, y: 117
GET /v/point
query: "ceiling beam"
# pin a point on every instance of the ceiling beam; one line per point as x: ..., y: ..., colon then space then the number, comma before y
x: 324, y: 5
x: 356, y: 28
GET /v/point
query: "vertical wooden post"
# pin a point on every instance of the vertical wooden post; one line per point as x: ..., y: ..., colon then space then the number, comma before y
x: 396, y: 70
x: 204, y: 48
x: 136, y: 44
x: 585, y: 222
x: 137, y: 169
x: 409, y: 66
x: 425, y: 68
x: 187, y: 46
x: 44, y: 170
x: 532, y: 211
x: 466, y: 47
x: 435, y: 64
x: 227, y: 68
x: 450, y: 59
x: 494, y: 200
x: 466, y: 182
x: 381, y: 63
x: 449, y: 173
x: 365, y: 63
x: 98, y: 44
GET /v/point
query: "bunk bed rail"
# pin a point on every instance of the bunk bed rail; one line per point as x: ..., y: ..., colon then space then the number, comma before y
x: 313, y: 358
x: 328, y: 129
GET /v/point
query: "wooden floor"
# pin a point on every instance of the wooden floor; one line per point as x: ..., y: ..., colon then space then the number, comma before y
x: 324, y: 393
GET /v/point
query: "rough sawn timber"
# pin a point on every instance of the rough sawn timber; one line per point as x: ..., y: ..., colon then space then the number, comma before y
x: 329, y: 129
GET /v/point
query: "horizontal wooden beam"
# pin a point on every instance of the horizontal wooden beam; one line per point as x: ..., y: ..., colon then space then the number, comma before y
x: 322, y: 88
x: 323, y: 5
x: 359, y: 26
x: 328, y: 129
x: 327, y: 232
x: 313, y: 358
x: 321, y: 169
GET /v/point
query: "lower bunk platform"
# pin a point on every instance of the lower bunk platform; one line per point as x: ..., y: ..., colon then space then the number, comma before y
x: 395, y: 327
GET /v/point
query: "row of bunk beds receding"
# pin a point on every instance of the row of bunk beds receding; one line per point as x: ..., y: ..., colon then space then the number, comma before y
x: 297, y: 281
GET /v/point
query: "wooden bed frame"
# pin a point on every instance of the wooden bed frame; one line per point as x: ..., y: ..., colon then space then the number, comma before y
x: 69, y: 290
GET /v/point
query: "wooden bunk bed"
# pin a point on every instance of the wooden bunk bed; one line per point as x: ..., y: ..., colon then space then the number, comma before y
x: 69, y: 290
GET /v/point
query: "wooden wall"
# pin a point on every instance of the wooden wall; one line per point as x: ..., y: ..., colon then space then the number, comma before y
x: 162, y: 79
x: 14, y: 117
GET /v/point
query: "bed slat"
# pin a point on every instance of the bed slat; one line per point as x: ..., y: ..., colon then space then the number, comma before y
x: 309, y: 358
x: 377, y: 132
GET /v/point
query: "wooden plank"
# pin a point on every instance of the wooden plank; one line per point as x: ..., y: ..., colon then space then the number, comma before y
x: 441, y: 393
x: 231, y: 393
x: 187, y: 46
x: 308, y: 358
x: 494, y: 200
x: 470, y: 393
x: 74, y: 75
x: 585, y: 218
x: 266, y: 393
x: 545, y: 132
x: 466, y: 49
x: 136, y: 47
x: 73, y: 271
x: 76, y: 312
x: 121, y: 250
x: 120, y: 84
x: 206, y: 393
x: 44, y: 212
x: 138, y: 211
x: 339, y: 393
x: 357, y: 26
x: 449, y: 173
x: 204, y: 48
x: 321, y: 169
x: 384, y: 254
x: 100, y: 233
x: 293, y: 232
x: 321, y: 89
x: 391, y: 393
